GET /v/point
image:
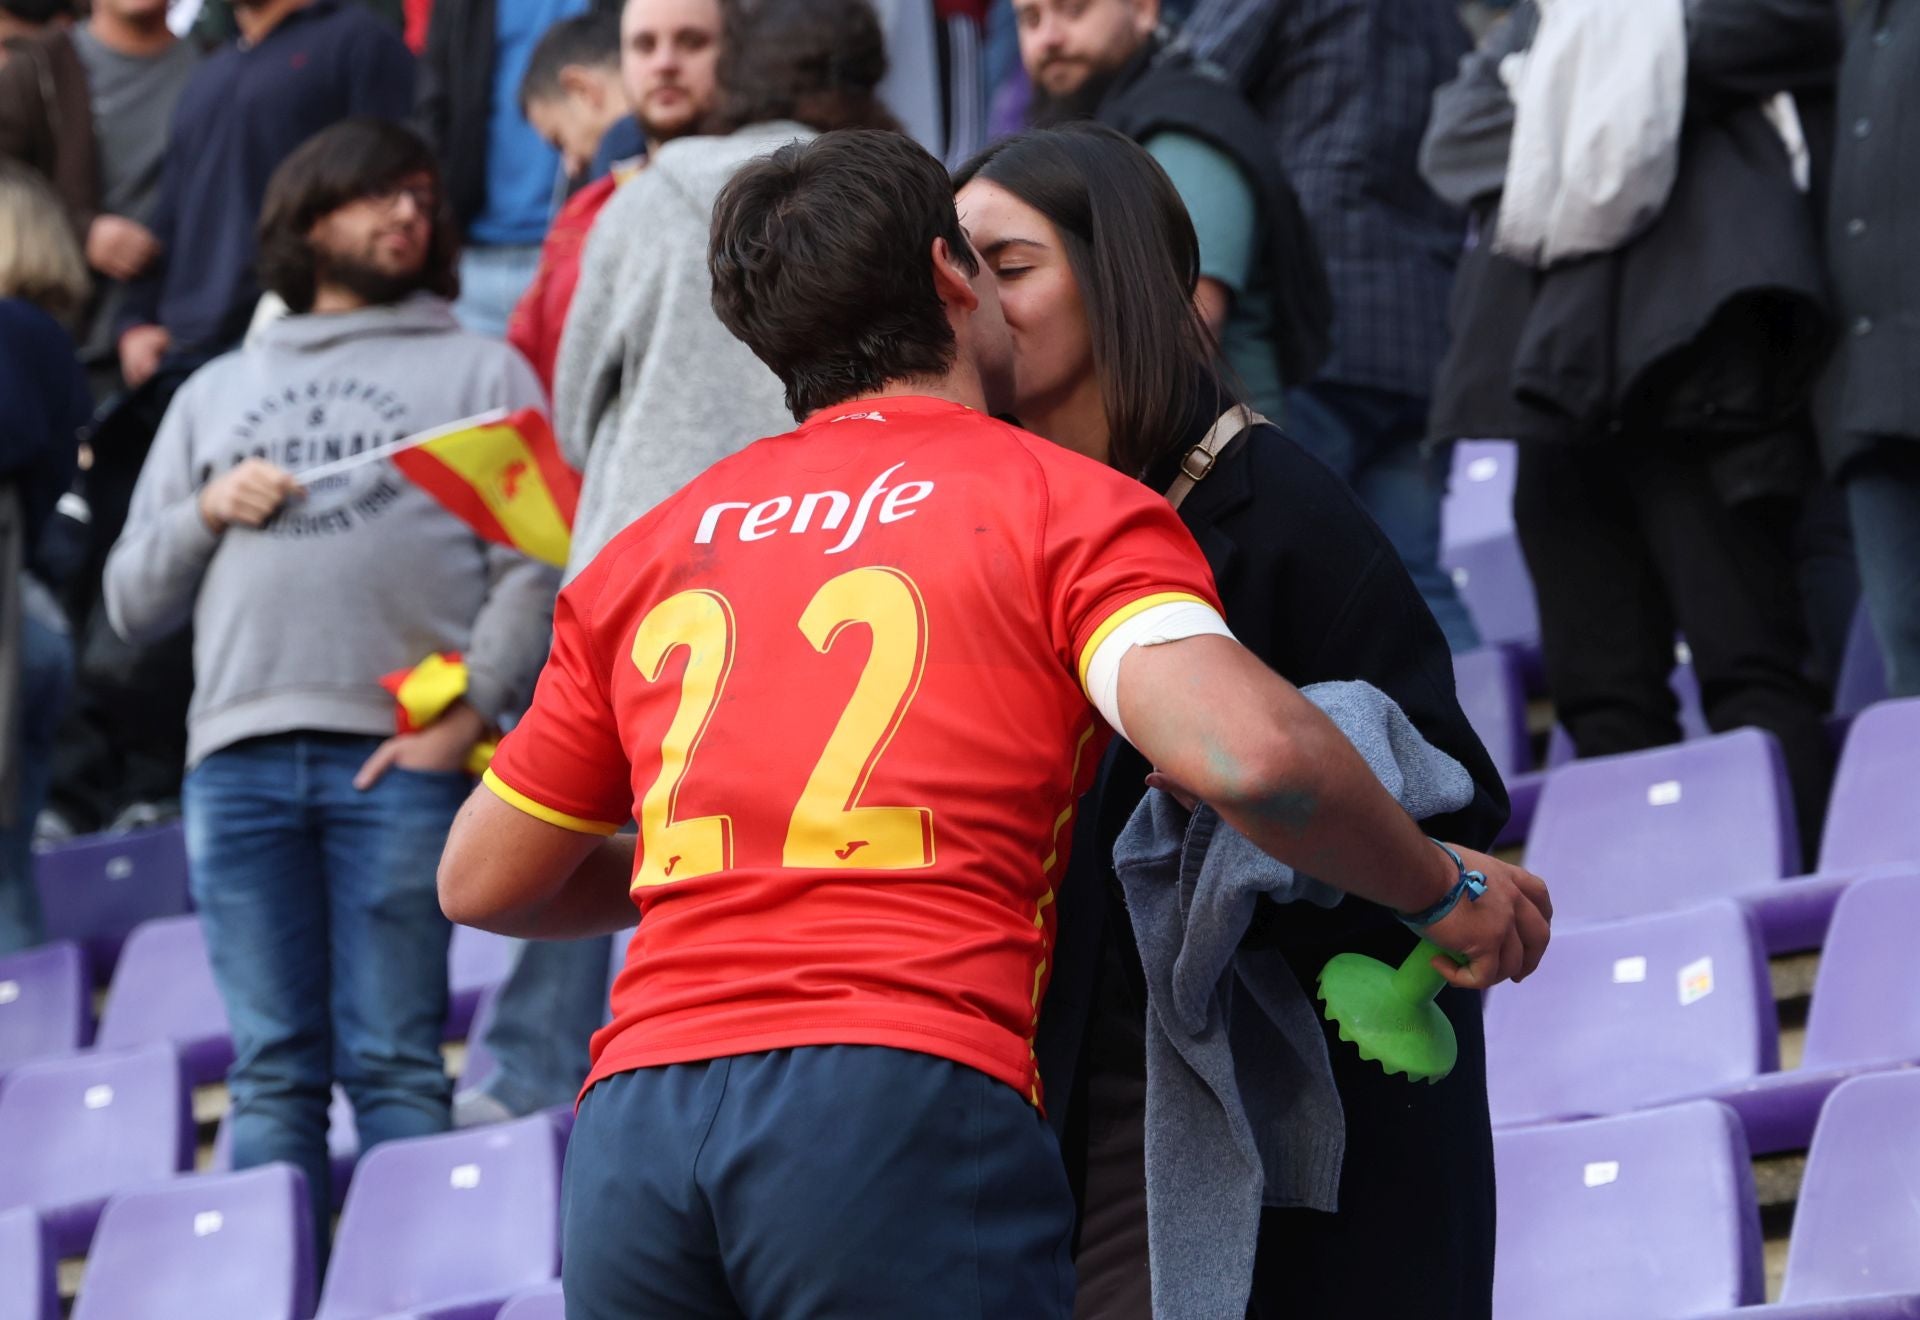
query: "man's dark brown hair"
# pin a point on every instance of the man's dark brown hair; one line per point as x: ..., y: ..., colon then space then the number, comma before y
x: 822, y: 264
x: 354, y: 159
x: 816, y: 62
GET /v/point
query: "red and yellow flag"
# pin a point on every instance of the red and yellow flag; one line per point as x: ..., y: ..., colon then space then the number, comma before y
x: 422, y: 694
x: 503, y: 476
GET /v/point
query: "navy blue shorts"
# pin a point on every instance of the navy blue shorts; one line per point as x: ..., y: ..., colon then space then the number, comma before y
x: 801, y: 1184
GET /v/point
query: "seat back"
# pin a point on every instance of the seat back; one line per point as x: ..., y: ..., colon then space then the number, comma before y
x: 46, y: 1009
x: 476, y: 959
x: 75, y: 1131
x: 1488, y: 684
x: 211, y: 1245
x: 473, y: 1213
x: 1628, y: 1014
x: 29, y: 1287
x: 544, y: 1303
x: 97, y: 889
x: 1871, y: 820
x: 1479, y: 547
x: 1654, y: 831
x: 1866, y: 1002
x: 163, y: 990
x: 1646, y: 1215
x: 1858, y: 1221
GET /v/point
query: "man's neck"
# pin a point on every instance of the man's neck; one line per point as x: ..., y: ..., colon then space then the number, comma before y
x: 136, y: 38
x: 256, y: 21
x: 331, y: 299
x: 960, y: 385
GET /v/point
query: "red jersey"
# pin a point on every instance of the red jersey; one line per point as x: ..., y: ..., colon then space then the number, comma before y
x: 838, y: 682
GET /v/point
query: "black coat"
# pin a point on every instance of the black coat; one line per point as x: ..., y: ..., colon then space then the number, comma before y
x: 1873, y: 221
x: 1312, y: 586
x: 454, y: 95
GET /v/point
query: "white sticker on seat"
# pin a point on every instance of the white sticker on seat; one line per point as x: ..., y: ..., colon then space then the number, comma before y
x: 1602, y: 1172
x: 1696, y: 981
x: 98, y: 1097
x: 1629, y: 971
x: 1460, y: 576
x: 208, y: 1222
x: 1664, y: 793
x: 119, y: 868
x: 465, y: 1177
x: 1483, y: 469
x: 9, y: 991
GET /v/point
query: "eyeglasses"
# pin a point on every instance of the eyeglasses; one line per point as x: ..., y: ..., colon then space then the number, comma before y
x: 424, y: 198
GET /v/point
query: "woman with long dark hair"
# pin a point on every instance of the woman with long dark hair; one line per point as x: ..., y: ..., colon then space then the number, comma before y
x: 1095, y: 261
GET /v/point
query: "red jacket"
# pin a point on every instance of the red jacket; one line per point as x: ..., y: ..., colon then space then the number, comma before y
x: 541, y: 313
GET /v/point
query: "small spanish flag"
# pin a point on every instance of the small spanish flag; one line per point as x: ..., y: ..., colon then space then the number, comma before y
x: 502, y: 475
x: 422, y: 694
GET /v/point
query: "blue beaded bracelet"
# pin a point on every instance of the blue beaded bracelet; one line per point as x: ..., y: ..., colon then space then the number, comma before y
x: 1471, y: 884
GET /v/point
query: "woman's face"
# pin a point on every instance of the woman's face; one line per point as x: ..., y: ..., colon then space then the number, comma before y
x: 1052, y: 349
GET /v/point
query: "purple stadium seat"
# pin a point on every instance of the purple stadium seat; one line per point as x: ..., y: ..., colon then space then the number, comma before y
x: 97, y: 889
x: 1644, y: 1215
x: 1630, y: 1014
x: 343, y: 1144
x: 230, y: 1244
x: 29, y: 1288
x: 1852, y: 1256
x: 163, y: 990
x: 46, y: 1004
x: 476, y: 960
x: 617, y: 961
x: 480, y: 1064
x: 75, y: 1131
x: 1487, y: 682
x: 1623, y: 836
x: 448, y: 1226
x: 543, y: 1303
x: 1479, y: 546
x: 1865, y: 1015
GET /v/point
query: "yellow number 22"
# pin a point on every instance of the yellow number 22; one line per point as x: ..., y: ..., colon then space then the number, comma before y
x: 829, y: 829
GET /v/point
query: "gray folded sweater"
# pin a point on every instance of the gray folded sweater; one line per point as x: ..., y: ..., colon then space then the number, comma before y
x: 1242, y: 1111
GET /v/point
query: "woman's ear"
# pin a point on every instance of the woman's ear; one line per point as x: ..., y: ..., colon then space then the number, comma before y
x: 951, y: 280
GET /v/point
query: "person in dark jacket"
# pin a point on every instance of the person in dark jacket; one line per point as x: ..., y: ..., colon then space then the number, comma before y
x: 1871, y: 435
x: 1660, y: 394
x: 43, y: 285
x: 1108, y: 362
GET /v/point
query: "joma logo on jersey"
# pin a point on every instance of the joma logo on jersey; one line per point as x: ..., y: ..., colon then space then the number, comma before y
x: 825, y: 509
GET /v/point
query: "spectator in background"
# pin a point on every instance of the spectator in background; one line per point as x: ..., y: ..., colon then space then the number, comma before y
x: 43, y: 98
x: 1871, y: 433
x: 654, y: 69
x: 503, y: 181
x: 299, y: 66
x: 1262, y: 291
x: 1345, y: 87
x: 1658, y: 383
x: 43, y: 283
x: 89, y: 109
x: 26, y: 20
x: 313, y: 836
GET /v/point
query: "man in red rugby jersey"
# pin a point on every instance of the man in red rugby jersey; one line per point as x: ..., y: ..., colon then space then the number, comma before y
x: 850, y: 682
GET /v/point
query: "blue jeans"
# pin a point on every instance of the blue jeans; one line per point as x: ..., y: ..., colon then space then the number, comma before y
x: 46, y: 680
x: 1373, y: 439
x: 553, y: 1001
x: 1883, y: 495
x: 835, y: 1180
x: 327, y: 942
x: 491, y: 282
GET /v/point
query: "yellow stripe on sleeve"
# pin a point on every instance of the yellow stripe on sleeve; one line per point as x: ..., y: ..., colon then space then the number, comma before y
x: 1121, y: 615
x: 513, y: 797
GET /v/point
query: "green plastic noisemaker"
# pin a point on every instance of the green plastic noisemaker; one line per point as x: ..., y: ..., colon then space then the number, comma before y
x: 1388, y: 1013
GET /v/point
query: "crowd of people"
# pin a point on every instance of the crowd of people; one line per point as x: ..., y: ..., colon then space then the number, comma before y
x: 1249, y: 268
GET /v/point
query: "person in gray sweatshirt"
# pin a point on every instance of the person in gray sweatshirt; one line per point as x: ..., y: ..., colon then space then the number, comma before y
x: 312, y: 831
x: 650, y: 390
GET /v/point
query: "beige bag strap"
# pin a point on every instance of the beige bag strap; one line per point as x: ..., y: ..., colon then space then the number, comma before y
x: 1200, y: 459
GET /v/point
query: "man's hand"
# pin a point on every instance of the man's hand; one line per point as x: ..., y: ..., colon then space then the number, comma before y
x: 442, y: 746
x: 247, y: 495
x: 141, y: 349
x: 120, y: 248
x: 1501, y: 934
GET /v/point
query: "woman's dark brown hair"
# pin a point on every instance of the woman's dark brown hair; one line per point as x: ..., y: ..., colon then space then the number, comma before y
x: 1133, y: 253
x: 816, y: 62
x: 353, y: 159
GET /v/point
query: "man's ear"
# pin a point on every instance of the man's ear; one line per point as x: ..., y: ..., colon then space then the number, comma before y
x: 577, y: 80
x: 950, y: 279
x: 1146, y: 17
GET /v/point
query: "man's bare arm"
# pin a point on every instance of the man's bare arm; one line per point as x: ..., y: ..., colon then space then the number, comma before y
x: 509, y: 872
x: 1213, y: 718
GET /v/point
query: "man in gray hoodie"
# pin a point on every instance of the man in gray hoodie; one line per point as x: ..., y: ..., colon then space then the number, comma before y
x: 312, y: 832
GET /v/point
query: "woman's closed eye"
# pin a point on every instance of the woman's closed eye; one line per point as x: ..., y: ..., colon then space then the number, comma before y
x: 1011, y: 272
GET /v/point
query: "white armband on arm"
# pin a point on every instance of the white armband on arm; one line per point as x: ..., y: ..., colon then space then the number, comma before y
x: 1172, y: 622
